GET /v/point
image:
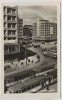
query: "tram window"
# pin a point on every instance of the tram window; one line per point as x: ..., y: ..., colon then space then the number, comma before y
x: 55, y: 76
x: 38, y: 83
x: 24, y: 89
x: 19, y: 91
x: 16, y: 78
x: 27, y: 75
x: 20, y: 77
x: 29, y: 87
x: 33, y: 85
x: 12, y: 79
x: 24, y: 76
x: 16, y: 91
x: 30, y: 74
x: 9, y: 80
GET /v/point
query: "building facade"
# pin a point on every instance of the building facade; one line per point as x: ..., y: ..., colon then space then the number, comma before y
x: 10, y: 15
x: 27, y: 33
x: 20, y: 29
x: 27, y: 30
x: 10, y: 23
x: 44, y: 30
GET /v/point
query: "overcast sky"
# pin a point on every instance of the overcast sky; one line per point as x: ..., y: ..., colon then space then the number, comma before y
x: 30, y: 13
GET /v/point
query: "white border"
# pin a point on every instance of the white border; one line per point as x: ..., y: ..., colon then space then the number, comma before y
x: 37, y: 95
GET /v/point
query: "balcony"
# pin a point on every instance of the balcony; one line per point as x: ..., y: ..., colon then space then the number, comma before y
x: 12, y: 21
x: 11, y: 28
x: 12, y: 14
x: 12, y: 36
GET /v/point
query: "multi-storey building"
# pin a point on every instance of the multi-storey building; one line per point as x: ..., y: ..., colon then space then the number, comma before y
x: 10, y: 23
x: 20, y: 29
x: 34, y: 29
x: 10, y: 29
x: 43, y: 30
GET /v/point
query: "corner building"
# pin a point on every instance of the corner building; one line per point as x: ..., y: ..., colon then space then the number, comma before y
x: 10, y: 16
x: 43, y: 30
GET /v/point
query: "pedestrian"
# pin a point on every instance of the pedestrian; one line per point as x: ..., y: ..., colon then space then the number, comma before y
x: 32, y: 60
x: 42, y: 85
x: 47, y: 87
x: 12, y: 62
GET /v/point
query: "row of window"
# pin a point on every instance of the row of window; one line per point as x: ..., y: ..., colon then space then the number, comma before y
x: 9, y: 10
x: 9, y: 38
x: 28, y: 87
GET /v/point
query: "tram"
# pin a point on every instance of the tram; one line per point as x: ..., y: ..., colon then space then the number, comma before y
x: 35, y: 84
x: 19, y: 76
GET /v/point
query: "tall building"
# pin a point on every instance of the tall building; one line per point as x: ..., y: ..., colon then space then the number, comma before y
x: 43, y: 30
x: 10, y: 23
x: 10, y: 15
x: 20, y: 29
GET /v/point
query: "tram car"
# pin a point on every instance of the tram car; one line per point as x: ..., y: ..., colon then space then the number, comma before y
x: 19, y: 76
x: 35, y: 84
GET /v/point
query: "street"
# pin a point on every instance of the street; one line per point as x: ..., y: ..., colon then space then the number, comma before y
x: 52, y: 88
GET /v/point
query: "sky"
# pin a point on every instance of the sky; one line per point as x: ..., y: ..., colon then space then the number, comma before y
x: 30, y: 13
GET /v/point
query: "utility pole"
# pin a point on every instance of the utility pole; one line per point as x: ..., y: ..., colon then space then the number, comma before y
x: 26, y: 54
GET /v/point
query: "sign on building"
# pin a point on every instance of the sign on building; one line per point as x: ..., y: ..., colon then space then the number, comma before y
x: 51, y: 30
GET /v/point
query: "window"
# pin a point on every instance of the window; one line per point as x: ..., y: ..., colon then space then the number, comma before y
x: 19, y: 91
x: 24, y: 89
x: 13, y: 18
x: 9, y: 11
x: 9, y: 49
x: 9, y: 25
x: 13, y: 25
x: 27, y: 75
x: 4, y: 32
x: 4, y: 9
x: 13, y: 33
x: 13, y: 11
x: 38, y: 83
x: 9, y: 18
x: 29, y: 87
x: 13, y: 49
x: 4, y: 38
x: 9, y: 33
x: 16, y: 91
x: 20, y: 77
x: 33, y: 85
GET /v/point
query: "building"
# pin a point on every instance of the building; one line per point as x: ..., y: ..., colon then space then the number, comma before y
x: 27, y: 30
x: 20, y: 29
x: 11, y: 48
x: 27, y: 33
x: 10, y: 16
x: 43, y: 30
x: 10, y: 23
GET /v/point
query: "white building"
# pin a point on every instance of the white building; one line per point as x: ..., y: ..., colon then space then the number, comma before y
x: 44, y: 30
